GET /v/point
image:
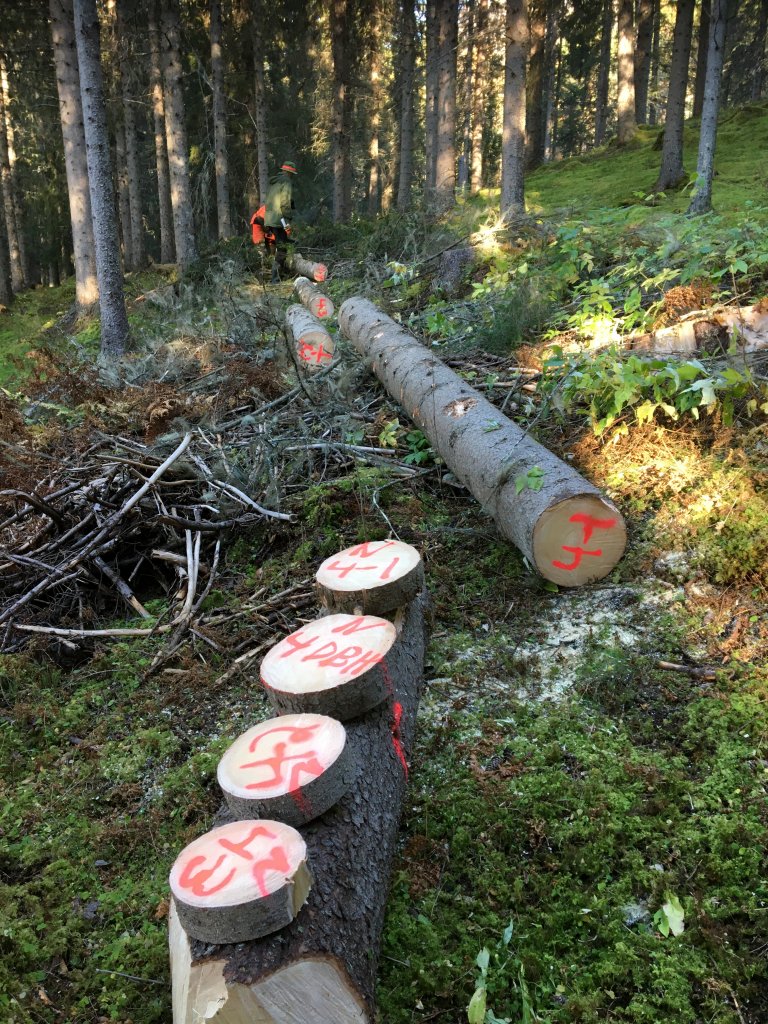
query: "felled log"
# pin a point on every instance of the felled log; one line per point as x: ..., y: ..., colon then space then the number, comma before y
x: 712, y: 332
x: 313, y: 299
x: 291, y: 768
x: 322, y: 967
x: 339, y: 665
x: 240, y: 881
x: 563, y: 525
x: 314, y: 345
x: 373, y: 577
x: 314, y: 271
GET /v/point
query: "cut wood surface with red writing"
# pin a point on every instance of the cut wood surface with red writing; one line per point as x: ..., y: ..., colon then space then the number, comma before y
x: 336, y: 665
x: 313, y: 344
x: 568, y: 531
x: 375, y: 577
x: 291, y: 768
x: 313, y: 299
x: 322, y: 967
x: 240, y: 881
x: 307, y: 268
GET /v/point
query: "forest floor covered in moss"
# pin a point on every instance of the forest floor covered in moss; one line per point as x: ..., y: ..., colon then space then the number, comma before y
x: 584, y: 837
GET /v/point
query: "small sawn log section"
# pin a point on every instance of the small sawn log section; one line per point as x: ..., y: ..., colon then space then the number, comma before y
x: 317, y: 302
x: 313, y: 344
x: 566, y: 528
x: 314, y: 271
x: 322, y: 967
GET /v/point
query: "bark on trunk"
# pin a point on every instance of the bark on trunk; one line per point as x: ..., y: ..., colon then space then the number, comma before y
x: 223, y: 216
x: 445, y: 160
x: 313, y: 344
x: 479, y: 94
x: 6, y: 291
x: 9, y: 211
x: 374, y: 198
x: 176, y: 134
x: 123, y: 195
x: 15, y: 187
x: 645, y: 22
x: 314, y: 271
x: 431, y: 90
x: 73, y: 133
x: 407, y: 75
x: 259, y: 99
x: 313, y: 299
x: 603, y: 75
x: 552, y: 54
x: 566, y: 529
x: 711, y: 332
x: 513, y: 131
x: 705, y: 17
x: 701, y: 201
x: 322, y: 968
x: 161, y: 150
x: 626, y: 70
x: 340, y: 113
x: 114, y: 320
x: 758, y: 75
x: 534, y: 86
x: 125, y: 13
x: 672, y: 171
x: 653, y: 99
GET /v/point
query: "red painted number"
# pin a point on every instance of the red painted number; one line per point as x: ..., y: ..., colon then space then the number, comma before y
x: 588, y: 525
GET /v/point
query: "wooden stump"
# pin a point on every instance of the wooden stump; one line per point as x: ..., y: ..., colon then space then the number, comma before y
x: 373, y: 578
x: 291, y: 768
x: 339, y: 665
x: 314, y: 345
x: 563, y: 525
x: 240, y: 881
x: 321, y: 969
x: 314, y: 271
x: 313, y: 299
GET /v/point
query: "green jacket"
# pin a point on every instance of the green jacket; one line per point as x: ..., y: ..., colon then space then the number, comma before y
x: 279, y: 200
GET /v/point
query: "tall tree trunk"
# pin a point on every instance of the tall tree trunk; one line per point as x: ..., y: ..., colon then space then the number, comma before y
x: 176, y: 134
x: 445, y: 161
x: 645, y: 21
x: 701, y: 201
x: 223, y: 216
x: 513, y: 131
x: 479, y: 93
x: 552, y: 119
x: 6, y: 290
x: 653, y: 99
x: 114, y: 320
x: 123, y: 194
x: 71, y: 116
x: 161, y: 150
x: 552, y: 66
x: 626, y: 67
x: 340, y: 13
x: 467, y: 31
x: 125, y: 29
x: 407, y: 75
x: 9, y: 211
x: 374, y: 16
x: 18, y: 210
x: 672, y: 171
x: 758, y: 75
x: 259, y: 98
x: 431, y: 73
x: 534, y: 85
x: 604, y: 73
x: 702, y: 53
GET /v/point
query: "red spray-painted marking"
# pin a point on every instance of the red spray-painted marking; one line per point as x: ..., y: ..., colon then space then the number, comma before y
x: 364, y: 550
x: 397, y: 714
x: 322, y: 308
x: 308, y: 353
x: 277, y: 861
x: 277, y: 763
x: 588, y: 525
x: 356, y: 626
x: 298, y: 734
x: 196, y: 883
x: 345, y: 570
x: 195, y: 880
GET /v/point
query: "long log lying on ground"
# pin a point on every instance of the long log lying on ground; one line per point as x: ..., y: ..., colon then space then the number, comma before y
x: 314, y: 271
x: 316, y: 302
x: 711, y: 332
x: 562, y: 524
x: 322, y: 967
x: 314, y: 345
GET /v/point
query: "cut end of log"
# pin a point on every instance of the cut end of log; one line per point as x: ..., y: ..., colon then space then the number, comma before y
x: 240, y: 881
x: 330, y: 665
x: 579, y: 540
x: 376, y: 577
x: 318, y: 304
x: 314, y: 345
x: 291, y: 768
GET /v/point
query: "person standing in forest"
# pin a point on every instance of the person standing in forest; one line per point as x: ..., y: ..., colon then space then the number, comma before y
x: 279, y: 205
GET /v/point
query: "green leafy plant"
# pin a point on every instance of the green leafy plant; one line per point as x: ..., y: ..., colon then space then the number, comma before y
x: 419, y: 449
x: 533, y: 480
x: 388, y: 435
x: 670, y: 917
x: 477, y: 1010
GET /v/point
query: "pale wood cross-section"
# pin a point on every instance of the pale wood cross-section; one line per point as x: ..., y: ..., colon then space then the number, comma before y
x: 314, y: 345
x: 240, y: 881
x: 337, y: 665
x: 291, y: 768
x: 374, y: 577
x: 317, y: 302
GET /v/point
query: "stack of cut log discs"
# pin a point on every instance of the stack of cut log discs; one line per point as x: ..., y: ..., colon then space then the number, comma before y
x: 314, y: 345
x: 336, y: 665
x: 570, y: 532
x: 292, y: 768
x: 374, y: 578
x: 314, y: 271
x: 310, y: 296
x: 241, y: 881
